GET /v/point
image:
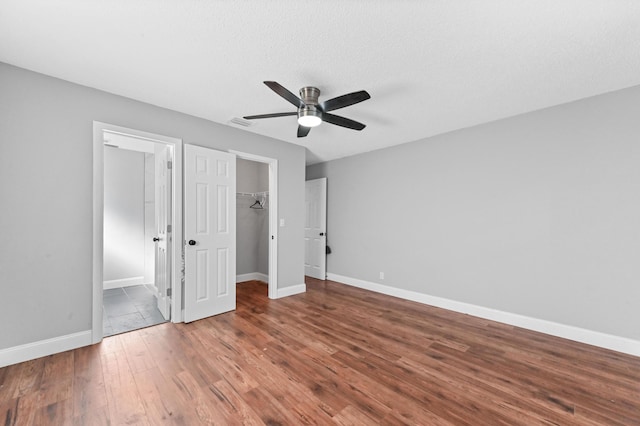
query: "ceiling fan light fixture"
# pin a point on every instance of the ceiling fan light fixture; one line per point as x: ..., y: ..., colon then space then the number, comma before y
x: 310, y: 112
x: 309, y: 116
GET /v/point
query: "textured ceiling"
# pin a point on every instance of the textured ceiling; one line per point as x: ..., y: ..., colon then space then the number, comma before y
x: 430, y: 66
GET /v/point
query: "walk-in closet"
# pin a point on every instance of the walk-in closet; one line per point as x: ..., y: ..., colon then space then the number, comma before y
x: 252, y: 221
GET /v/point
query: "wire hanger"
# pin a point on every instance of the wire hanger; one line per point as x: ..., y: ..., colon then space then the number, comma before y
x: 256, y: 205
x: 261, y: 199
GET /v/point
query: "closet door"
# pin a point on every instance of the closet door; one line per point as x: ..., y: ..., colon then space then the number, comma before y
x: 209, y: 232
x: 315, y: 228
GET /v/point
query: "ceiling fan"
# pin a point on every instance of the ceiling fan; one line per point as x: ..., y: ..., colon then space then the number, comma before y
x: 311, y: 113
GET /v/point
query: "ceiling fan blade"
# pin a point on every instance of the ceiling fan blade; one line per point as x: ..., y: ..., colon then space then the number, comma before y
x: 275, y: 114
x: 303, y: 131
x: 345, y: 100
x: 342, y: 121
x: 280, y: 90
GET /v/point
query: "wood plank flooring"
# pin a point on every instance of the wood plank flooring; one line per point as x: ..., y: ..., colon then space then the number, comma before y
x: 335, y: 355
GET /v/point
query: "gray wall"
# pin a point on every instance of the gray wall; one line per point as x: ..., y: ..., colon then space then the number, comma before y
x: 253, y: 176
x: 46, y: 142
x: 252, y: 225
x: 123, y: 214
x: 537, y: 215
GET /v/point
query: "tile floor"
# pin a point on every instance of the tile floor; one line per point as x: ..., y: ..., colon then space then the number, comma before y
x: 129, y: 308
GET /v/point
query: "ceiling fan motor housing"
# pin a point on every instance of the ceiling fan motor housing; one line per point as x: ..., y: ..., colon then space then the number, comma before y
x: 309, y: 115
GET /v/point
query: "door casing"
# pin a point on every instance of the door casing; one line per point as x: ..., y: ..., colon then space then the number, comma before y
x: 273, y: 216
x: 99, y: 130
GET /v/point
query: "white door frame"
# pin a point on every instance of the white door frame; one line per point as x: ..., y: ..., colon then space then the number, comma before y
x: 273, y: 216
x: 98, y: 219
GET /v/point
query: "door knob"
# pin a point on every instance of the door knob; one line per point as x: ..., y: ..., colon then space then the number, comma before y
x: 156, y: 239
x: 192, y: 242
x: 322, y: 234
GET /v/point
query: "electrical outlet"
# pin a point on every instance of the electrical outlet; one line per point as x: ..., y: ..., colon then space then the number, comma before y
x: 382, y: 275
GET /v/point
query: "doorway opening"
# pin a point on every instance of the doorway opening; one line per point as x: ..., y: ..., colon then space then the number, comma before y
x: 137, y: 193
x: 135, y: 216
x: 252, y: 222
x: 257, y: 243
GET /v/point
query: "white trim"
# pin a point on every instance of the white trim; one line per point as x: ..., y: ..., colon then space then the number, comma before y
x: 98, y: 231
x: 273, y: 229
x: 291, y: 290
x: 42, y: 348
x: 253, y: 276
x: 98, y: 219
x: 607, y: 341
x: 124, y: 282
x: 273, y: 216
x: 177, y: 227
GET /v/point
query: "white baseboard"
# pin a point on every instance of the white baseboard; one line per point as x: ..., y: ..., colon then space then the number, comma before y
x: 125, y: 282
x: 253, y: 276
x: 291, y: 290
x: 607, y: 341
x: 42, y: 348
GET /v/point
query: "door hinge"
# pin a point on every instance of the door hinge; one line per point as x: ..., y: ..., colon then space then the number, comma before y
x: 169, y: 164
x: 169, y: 292
x: 169, y: 228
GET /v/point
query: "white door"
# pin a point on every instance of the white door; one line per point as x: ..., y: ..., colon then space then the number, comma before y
x: 163, y: 235
x: 209, y: 232
x: 315, y: 228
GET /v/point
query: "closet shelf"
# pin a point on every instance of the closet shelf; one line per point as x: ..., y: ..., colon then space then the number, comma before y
x: 252, y: 194
x: 260, y: 197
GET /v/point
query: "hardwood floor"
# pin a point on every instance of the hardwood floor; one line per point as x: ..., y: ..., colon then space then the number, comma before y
x: 335, y: 355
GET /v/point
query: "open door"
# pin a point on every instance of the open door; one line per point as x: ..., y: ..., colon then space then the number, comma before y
x: 315, y: 228
x: 163, y: 233
x: 209, y: 232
